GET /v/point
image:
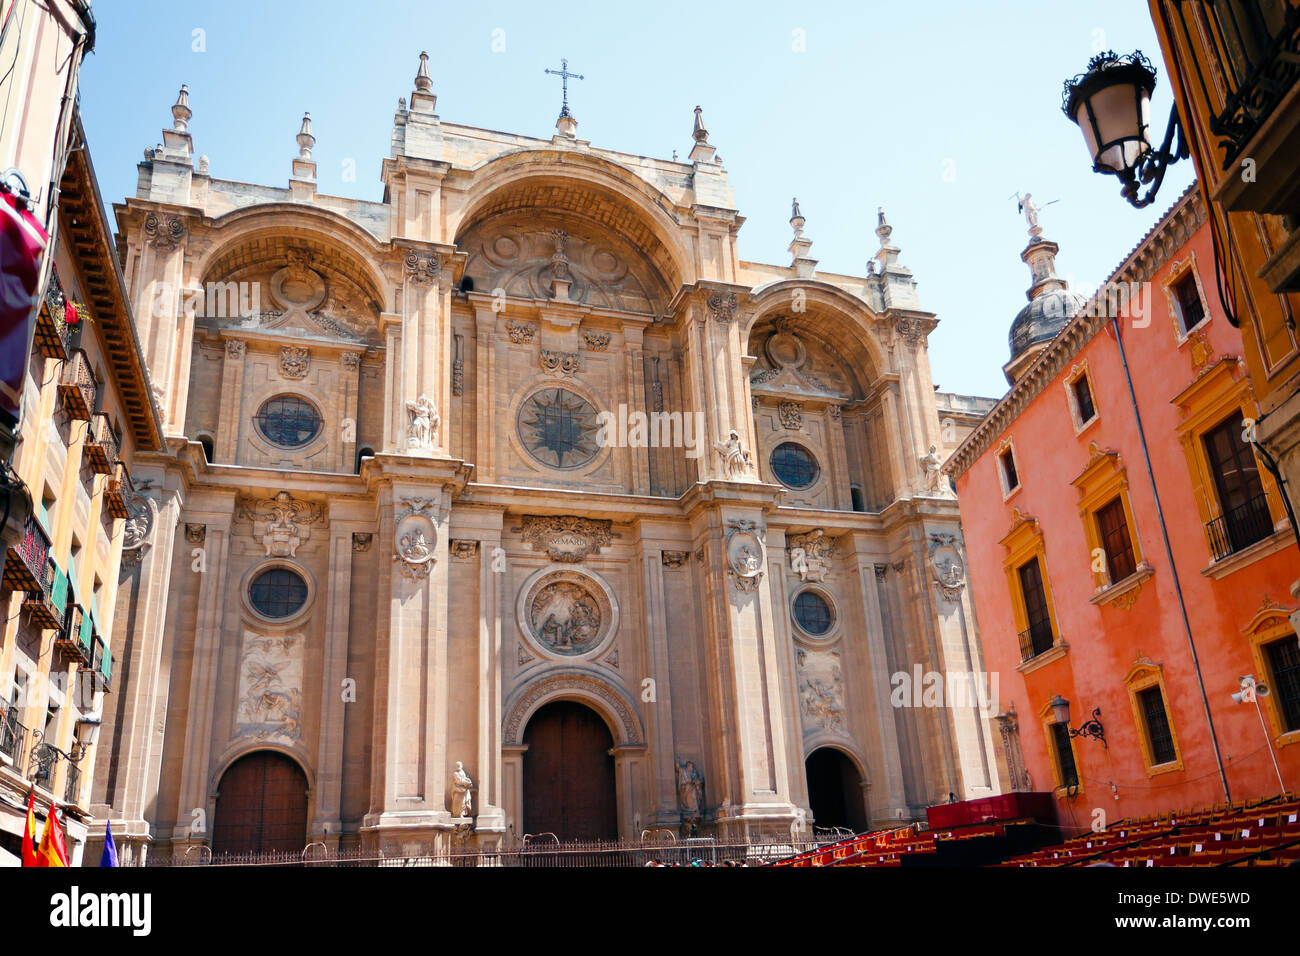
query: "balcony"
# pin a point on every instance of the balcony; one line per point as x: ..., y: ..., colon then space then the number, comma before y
x: 44, y: 764
x: 1240, y: 528
x: 77, y: 387
x: 13, y: 736
x: 47, y: 607
x: 101, y: 674
x: 100, y: 452
x: 74, y: 639
x: 24, y: 567
x: 53, y: 336
x: 116, y: 491
x: 1035, y: 640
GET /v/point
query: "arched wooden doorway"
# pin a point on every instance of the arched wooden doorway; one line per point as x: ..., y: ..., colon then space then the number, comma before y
x: 835, y: 790
x: 261, y: 806
x: 569, y: 774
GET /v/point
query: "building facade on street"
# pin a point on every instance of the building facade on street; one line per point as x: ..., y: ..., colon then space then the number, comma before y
x: 1093, y: 605
x: 520, y: 485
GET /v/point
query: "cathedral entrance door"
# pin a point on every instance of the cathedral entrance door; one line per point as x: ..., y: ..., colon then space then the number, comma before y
x: 569, y: 774
x: 835, y: 790
x: 261, y: 806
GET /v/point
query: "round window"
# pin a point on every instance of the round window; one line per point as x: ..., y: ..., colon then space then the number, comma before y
x: 288, y: 421
x: 812, y: 613
x: 794, y: 466
x: 278, y: 592
x: 559, y: 428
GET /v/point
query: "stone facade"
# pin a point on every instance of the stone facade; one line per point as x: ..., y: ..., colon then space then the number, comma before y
x: 482, y: 524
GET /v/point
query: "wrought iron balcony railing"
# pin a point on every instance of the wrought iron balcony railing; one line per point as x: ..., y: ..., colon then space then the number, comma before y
x: 71, y: 641
x: 24, y: 568
x: 53, y: 336
x: 13, y: 736
x: 77, y: 386
x: 47, y: 607
x: 1240, y: 527
x: 101, y: 445
x: 116, y: 490
x: 1034, y: 640
x: 44, y: 762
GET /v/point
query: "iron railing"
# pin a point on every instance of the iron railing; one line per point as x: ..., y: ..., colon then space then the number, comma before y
x: 44, y: 763
x: 1034, y: 640
x: 1240, y: 527
x: 46, y: 608
x: 13, y: 736
x: 534, y: 853
x: 25, y: 561
x: 101, y: 449
x: 77, y: 386
x: 53, y: 336
x: 116, y: 491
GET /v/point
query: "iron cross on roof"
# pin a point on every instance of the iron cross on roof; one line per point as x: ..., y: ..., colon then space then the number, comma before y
x: 564, y: 74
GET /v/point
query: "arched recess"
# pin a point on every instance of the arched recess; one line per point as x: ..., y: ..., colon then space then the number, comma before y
x: 583, y: 187
x: 604, y: 698
x: 836, y: 788
x: 569, y: 774
x: 261, y: 804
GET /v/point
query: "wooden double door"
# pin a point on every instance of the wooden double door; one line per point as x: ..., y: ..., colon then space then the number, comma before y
x: 261, y: 806
x: 568, y: 774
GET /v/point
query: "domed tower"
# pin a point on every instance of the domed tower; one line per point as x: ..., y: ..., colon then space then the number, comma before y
x: 1051, y: 303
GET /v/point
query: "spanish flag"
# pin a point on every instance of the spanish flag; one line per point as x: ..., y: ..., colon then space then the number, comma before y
x: 52, y: 851
x: 29, y: 832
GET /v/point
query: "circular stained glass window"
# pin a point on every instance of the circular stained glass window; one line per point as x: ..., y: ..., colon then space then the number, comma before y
x: 278, y: 592
x: 559, y: 428
x: 813, y: 613
x: 288, y: 421
x: 794, y: 466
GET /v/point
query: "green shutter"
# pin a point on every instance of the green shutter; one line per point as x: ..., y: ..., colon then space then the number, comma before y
x: 59, y: 592
x: 87, y: 635
x: 106, y: 665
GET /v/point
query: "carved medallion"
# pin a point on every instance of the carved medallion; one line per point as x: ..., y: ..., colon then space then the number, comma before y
x: 567, y: 613
x: 744, y: 554
x: 791, y: 415
x: 294, y: 362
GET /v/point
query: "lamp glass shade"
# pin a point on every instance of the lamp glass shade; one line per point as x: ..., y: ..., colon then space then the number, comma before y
x: 1122, y: 114
x: 1060, y: 709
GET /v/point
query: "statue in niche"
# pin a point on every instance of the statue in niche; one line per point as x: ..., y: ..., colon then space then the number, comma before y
x: 424, y: 422
x: 462, y: 800
x: 690, y: 793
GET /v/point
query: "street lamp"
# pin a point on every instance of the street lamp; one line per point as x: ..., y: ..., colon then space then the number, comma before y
x: 1111, y: 103
x: 1089, y: 728
x: 1251, y: 691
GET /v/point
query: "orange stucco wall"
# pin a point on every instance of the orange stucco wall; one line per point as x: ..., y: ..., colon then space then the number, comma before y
x: 1104, y: 642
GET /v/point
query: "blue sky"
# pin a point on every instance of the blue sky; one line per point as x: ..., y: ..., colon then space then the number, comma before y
x: 937, y: 111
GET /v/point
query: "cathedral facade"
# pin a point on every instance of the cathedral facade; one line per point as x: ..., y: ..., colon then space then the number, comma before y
x: 518, y: 503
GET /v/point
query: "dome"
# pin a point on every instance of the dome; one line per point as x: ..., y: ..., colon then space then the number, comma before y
x: 1044, y: 316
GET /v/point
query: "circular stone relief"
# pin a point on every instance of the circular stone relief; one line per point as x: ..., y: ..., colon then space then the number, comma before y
x: 568, y: 613
x: 559, y: 428
x: 296, y: 286
x: 745, y: 552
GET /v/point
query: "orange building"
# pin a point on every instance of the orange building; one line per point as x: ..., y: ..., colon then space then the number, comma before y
x: 1142, y: 613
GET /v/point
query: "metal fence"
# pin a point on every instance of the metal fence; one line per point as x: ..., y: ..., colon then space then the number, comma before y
x: 535, y: 851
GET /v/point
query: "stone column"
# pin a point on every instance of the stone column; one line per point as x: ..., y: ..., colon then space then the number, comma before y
x: 638, y: 459
x: 326, y: 824
x: 232, y: 393
x: 390, y: 326
x: 716, y: 383
x: 350, y: 381
x: 212, y: 602
x: 512, y: 787
x: 658, y: 715
x: 491, y: 792
x: 485, y: 337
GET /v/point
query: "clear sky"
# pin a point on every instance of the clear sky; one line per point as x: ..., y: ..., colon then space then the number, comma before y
x: 938, y: 111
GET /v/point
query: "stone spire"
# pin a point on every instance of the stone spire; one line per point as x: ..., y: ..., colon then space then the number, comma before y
x: 177, y: 144
x: 803, y: 264
x: 423, y: 99
x: 302, y: 186
x: 897, y: 288
x: 181, y: 112
x: 701, y: 152
x: 417, y: 133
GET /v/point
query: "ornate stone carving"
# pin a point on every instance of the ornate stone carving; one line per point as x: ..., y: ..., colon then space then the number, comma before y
x: 911, y: 331
x: 282, y: 523
x: 361, y: 541
x: 462, y: 787
x: 881, y: 570
x: 270, y: 687
x: 422, y: 268
x: 791, y: 414
x: 737, y: 460
x: 565, y: 363
x: 1200, y: 350
x: 458, y: 368
x: 235, y: 348
x: 581, y: 685
x: 196, y: 533
x: 947, y: 565
x: 821, y: 688
x: 675, y: 559
x: 416, y: 538
x: 932, y: 476
x: 722, y: 306
x: 524, y: 658
x: 566, y: 617
x: 138, y: 528
x: 811, y: 554
x: 566, y: 538
x: 164, y: 233
x: 351, y: 361
x: 656, y: 388
x: 834, y: 412
x: 422, y: 430
x: 1009, y: 728
x: 744, y: 544
x: 595, y: 341
x: 463, y: 550
x: 294, y: 361
x: 521, y: 333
